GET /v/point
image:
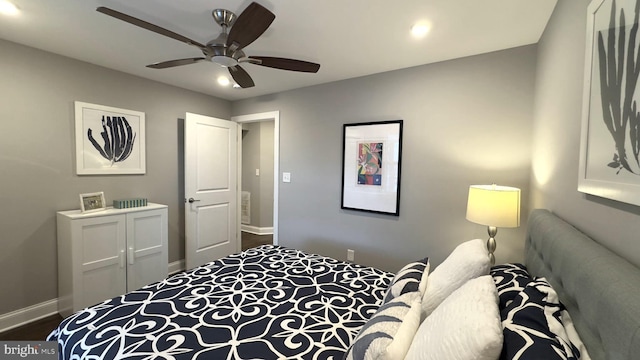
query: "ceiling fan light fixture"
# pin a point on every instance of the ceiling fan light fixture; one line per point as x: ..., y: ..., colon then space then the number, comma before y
x: 225, y: 61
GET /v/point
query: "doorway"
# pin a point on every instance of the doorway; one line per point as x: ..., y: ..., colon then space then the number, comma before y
x: 258, y: 178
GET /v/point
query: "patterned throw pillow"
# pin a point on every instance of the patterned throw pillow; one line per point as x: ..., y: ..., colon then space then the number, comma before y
x: 388, y: 334
x: 510, y: 279
x: 533, y: 327
x: 411, y: 278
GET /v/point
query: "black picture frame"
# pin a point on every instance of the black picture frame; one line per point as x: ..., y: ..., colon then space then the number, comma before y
x: 371, y: 166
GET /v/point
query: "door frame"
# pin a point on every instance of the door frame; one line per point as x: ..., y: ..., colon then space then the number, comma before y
x: 258, y: 117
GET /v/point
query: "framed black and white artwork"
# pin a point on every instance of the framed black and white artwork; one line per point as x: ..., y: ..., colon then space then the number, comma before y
x: 109, y: 140
x: 610, y: 137
x: 371, y: 164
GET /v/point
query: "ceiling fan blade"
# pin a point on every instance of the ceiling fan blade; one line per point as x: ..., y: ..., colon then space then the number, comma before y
x: 149, y: 26
x: 249, y: 25
x: 241, y: 77
x: 172, y: 63
x: 285, y: 64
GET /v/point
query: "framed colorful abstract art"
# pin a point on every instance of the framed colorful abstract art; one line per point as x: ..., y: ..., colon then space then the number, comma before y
x: 371, y: 163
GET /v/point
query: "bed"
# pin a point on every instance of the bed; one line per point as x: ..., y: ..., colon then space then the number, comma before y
x: 273, y: 302
x: 268, y: 302
x: 600, y: 289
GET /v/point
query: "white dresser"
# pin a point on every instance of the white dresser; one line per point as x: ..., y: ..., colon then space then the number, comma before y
x: 108, y: 253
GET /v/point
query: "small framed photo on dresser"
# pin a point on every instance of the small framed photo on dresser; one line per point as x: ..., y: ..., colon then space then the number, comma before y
x: 92, y: 202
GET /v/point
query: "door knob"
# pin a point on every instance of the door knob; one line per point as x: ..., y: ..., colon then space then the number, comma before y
x: 192, y: 200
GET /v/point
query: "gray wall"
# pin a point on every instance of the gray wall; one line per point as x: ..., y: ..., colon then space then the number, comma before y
x: 556, y: 138
x: 257, y: 153
x: 466, y: 121
x: 251, y: 162
x: 266, y: 174
x: 37, y: 158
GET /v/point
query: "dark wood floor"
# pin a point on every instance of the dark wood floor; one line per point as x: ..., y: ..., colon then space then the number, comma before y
x: 252, y: 240
x: 39, y: 330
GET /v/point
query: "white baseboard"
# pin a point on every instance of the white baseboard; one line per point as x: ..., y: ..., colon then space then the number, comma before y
x: 32, y: 313
x: 176, y: 267
x: 29, y: 314
x: 257, y: 230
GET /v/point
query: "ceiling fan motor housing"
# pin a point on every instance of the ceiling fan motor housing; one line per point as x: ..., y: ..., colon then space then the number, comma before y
x: 218, y: 52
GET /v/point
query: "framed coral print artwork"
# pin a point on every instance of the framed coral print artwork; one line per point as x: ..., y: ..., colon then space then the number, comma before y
x: 109, y: 140
x: 610, y: 138
x: 371, y: 163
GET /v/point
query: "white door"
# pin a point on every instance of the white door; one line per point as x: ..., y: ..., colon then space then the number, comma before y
x: 211, y: 201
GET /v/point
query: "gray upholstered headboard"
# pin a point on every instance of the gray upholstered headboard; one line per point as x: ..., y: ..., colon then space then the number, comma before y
x: 600, y: 289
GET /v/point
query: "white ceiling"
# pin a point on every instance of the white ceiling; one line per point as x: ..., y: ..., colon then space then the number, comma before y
x: 349, y: 38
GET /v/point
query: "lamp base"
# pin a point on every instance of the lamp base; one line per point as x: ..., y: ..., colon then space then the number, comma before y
x: 491, y: 243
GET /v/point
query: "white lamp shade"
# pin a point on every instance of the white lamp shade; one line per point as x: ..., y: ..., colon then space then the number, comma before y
x: 494, y: 205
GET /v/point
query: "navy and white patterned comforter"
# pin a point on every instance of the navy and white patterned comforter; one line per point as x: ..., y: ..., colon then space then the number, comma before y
x: 265, y: 303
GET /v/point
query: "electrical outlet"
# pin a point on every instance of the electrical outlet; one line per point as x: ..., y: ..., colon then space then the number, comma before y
x: 350, y: 255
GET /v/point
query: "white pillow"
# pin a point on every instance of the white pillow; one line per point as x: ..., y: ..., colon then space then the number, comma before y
x: 466, y: 326
x: 467, y: 261
x: 388, y: 334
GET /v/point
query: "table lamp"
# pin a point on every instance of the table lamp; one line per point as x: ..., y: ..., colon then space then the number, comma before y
x: 494, y: 206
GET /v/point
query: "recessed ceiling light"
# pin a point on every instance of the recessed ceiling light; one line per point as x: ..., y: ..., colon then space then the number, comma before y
x: 8, y: 8
x: 419, y: 30
x: 223, y: 80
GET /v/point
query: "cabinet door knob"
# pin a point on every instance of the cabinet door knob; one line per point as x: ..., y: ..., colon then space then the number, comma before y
x: 131, y: 255
x: 192, y: 200
x: 122, y: 259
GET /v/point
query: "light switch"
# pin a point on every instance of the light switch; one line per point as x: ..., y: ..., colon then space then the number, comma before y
x: 286, y: 177
x: 257, y: 172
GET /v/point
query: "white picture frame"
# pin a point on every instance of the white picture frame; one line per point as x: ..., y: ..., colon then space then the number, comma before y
x: 91, y: 202
x: 609, y: 160
x: 109, y: 140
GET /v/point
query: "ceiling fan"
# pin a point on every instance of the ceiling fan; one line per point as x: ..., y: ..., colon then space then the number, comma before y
x: 227, y: 48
